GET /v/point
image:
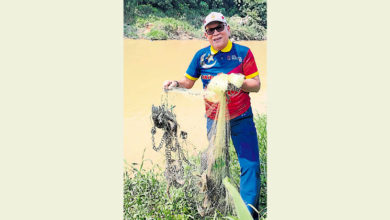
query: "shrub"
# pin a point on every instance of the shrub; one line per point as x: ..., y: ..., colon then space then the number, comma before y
x: 156, y: 34
x: 130, y: 31
x: 145, y: 194
x: 147, y: 10
x: 166, y: 28
x: 246, y: 28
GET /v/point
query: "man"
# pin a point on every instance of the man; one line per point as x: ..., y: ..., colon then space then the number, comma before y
x: 223, y: 56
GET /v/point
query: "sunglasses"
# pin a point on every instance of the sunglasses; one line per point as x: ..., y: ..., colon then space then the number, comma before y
x: 219, y: 28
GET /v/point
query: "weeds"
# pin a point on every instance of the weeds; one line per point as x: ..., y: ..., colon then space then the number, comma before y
x: 145, y: 194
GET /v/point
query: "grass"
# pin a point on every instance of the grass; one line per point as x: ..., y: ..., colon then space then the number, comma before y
x: 145, y: 194
x: 145, y: 197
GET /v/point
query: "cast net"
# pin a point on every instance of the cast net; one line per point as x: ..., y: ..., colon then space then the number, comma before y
x: 213, y: 166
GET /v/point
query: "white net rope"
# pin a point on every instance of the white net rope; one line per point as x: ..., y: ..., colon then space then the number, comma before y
x: 214, y: 161
x: 216, y: 157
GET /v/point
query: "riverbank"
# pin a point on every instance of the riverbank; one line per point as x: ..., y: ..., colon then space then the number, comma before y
x: 166, y: 28
x: 183, y: 20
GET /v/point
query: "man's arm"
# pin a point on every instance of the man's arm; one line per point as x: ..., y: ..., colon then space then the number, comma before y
x: 183, y: 83
x: 251, y: 85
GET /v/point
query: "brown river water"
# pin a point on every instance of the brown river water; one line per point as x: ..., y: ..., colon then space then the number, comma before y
x: 147, y: 64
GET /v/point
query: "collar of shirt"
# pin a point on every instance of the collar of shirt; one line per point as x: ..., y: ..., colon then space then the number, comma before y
x: 226, y: 49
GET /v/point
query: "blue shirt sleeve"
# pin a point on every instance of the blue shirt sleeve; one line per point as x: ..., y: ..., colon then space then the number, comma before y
x: 193, y: 71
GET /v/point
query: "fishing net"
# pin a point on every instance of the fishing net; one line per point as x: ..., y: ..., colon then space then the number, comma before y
x: 214, y: 161
x: 164, y: 119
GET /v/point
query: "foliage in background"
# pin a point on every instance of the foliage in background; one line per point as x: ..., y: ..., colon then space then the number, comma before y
x: 246, y: 28
x: 248, y: 18
x: 145, y: 194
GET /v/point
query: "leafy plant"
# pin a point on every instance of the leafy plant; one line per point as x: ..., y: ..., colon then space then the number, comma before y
x: 145, y: 195
x: 130, y: 31
x: 156, y: 34
x: 246, y: 28
x: 241, y: 209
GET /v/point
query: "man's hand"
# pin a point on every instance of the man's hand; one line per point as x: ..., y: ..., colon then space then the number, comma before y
x: 251, y: 85
x: 170, y: 84
x: 183, y: 83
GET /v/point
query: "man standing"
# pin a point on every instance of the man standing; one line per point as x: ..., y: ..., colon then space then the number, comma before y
x: 223, y: 56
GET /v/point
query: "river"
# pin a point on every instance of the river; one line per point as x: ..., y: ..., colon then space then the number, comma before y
x: 146, y: 65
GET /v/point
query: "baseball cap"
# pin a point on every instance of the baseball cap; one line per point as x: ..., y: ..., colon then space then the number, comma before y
x: 214, y: 16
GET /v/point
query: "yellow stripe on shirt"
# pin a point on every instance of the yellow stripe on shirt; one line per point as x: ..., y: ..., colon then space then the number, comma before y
x: 252, y: 75
x: 190, y: 77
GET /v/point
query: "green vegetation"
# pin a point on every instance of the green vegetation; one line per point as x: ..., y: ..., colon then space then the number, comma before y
x: 182, y: 19
x: 145, y: 194
x: 241, y: 209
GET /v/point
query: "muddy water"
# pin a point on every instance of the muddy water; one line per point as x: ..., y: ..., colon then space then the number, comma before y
x: 146, y: 65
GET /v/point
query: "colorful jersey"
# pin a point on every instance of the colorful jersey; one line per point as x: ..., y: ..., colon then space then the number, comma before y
x: 234, y: 58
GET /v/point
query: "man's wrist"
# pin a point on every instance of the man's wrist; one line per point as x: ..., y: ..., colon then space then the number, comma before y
x: 177, y: 83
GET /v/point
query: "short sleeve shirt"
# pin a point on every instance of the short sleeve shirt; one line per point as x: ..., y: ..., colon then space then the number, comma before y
x: 234, y: 58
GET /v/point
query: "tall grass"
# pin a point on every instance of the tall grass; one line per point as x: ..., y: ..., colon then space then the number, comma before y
x: 145, y: 194
x: 261, y: 127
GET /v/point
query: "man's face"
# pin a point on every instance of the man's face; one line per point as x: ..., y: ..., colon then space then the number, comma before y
x: 218, y: 40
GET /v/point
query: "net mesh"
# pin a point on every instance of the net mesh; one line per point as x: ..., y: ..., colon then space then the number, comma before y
x: 164, y: 119
x: 214, y: 162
